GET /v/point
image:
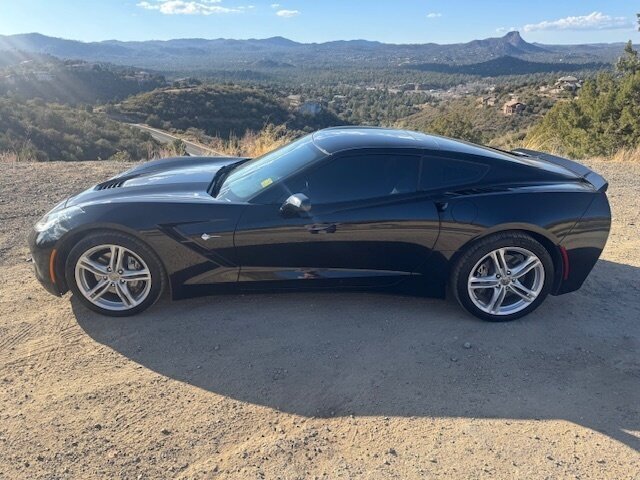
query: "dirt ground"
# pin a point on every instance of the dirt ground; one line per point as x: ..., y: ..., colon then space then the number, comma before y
x: 315, y: 385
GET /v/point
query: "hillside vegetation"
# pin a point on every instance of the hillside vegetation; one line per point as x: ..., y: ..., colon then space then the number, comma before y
x: 602, y: 120
x: 35, y: 130
x: 71, y: 82
x: 219, y: 110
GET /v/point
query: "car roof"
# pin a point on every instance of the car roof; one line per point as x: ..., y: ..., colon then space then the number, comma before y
x: 338, y: 139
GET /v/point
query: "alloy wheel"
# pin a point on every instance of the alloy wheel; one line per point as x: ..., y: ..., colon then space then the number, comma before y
x: 113, y: 277
x: 506, y: 280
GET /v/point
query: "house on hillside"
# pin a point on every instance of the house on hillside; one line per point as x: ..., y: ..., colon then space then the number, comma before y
x: 294, y: 100
x: 486, y: 101
x: 513, y: 107
x: 568, y: 83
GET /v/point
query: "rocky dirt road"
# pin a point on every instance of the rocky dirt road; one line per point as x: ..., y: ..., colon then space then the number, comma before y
x: 315, y: 385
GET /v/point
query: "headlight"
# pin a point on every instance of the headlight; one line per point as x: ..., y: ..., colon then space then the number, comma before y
x: 56, y: 217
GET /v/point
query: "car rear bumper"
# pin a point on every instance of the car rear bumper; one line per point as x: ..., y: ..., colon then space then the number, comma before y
x: 584, y: 244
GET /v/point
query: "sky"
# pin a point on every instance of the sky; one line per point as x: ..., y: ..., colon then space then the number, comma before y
x: 389, y: 21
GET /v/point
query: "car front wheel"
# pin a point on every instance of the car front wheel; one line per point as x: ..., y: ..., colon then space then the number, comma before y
x: 503, y: 277
x: 114, y: 274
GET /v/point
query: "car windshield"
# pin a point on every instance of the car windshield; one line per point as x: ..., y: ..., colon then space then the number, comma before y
x: 250, y: 178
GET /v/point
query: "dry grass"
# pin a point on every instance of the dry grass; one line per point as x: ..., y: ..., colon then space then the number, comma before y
x: 12, y: 158
x: 9, y: 157
x: 253, y: 144
x: 537, y: 143
x: 624, y: 155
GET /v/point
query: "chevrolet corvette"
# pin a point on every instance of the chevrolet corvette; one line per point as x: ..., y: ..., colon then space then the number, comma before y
x: 347, y: 207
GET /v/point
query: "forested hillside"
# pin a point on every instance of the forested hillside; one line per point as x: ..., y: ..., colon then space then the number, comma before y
x: 69, y: 109
x: 219, y: 110
x: 603, y: 119
x: 34, y: 130
x: 72, y: 82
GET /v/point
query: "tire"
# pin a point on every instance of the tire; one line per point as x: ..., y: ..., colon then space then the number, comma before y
x: 504, y: 262
x: 136, y: 284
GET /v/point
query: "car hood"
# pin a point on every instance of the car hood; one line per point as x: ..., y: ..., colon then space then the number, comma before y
x: 173, y: 179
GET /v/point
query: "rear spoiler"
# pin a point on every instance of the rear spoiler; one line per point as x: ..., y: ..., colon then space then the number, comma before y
x: 583, y: 172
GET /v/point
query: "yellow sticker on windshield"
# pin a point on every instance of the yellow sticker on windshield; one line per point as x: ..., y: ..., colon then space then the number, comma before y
x: 265, y: 183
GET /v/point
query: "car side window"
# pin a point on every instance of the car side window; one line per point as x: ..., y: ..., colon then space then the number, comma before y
x: 358, y: 177
x: 440, y: 172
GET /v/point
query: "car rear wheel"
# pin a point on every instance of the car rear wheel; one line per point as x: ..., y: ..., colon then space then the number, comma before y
x: 503, y: 277
x: 114, y: 274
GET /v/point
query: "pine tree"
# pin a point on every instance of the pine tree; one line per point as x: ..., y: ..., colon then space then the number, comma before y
x: 629, y: 62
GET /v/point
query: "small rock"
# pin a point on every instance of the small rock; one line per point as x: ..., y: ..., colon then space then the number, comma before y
x: 165, y: 431
x: 97, y: 426
x: 392, y: 451
x: 467, y: 345
x: 454, y: 359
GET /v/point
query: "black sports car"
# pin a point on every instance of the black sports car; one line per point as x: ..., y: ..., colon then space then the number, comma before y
x: 347, y: 207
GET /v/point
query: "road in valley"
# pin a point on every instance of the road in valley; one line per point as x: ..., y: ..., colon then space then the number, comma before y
x: 193, y: 149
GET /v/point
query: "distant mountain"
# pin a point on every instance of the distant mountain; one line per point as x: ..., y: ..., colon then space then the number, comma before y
x: 197, y: 54
x: 511, y: 44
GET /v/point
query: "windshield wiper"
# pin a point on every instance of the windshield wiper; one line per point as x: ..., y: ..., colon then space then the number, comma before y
x: 220, y: 176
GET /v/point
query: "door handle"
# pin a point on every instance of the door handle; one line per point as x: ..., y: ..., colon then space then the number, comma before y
x: 322, y: 228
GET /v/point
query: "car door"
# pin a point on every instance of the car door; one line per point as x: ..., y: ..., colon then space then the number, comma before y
x: 368, y: 223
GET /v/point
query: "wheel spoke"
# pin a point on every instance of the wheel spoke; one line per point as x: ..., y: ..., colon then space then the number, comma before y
x: 136, y: 275
x: 92, y: 266
x: 523, y: 292
x: 496, y: 300
x: 98, y: 290
x: 483, y: 282
x: 115, y: 262
x: 125, y: 295
x: 525, y: 267
x: 499, y: 261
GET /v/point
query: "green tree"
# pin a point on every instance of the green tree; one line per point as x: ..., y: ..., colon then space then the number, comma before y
x: 154, y: 121
x: 629, y: 62
x: 604, y: 118
x: 456, y: 125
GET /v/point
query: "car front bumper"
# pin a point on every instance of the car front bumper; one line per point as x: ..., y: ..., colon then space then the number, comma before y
x: 44, y: 262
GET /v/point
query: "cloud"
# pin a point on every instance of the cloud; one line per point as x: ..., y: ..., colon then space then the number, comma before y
x: 506, y: 30
x: 434, y: 15
x: 188, y: 7
x: 288, y: 13
x: 275, y: 5
x: 593, y: 21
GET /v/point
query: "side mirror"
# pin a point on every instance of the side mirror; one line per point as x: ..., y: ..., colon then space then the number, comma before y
x: 295, y: 205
